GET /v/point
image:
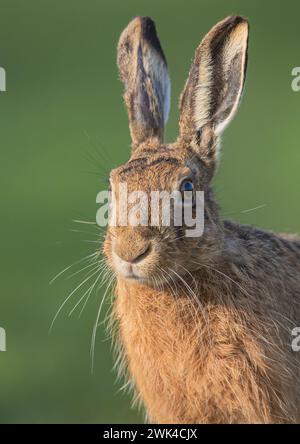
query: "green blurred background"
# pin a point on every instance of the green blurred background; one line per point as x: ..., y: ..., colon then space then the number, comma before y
x: 63, y: 127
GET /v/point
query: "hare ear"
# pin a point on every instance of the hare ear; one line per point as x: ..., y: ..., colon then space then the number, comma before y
x: 216, y: 79
x: 143, y: 70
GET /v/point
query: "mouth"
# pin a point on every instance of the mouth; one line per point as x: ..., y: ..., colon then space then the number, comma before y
x: 138, y: 279
x: 131, y: 275
x: 155, y: 280
x: 142, y: 272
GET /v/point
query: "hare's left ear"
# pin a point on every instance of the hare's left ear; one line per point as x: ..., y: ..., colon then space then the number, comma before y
x: 143, y: 70
x: 216, y: 79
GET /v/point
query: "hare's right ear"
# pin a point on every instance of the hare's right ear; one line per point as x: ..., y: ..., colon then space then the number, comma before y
x: 143, y: 70
x: 215, y: 83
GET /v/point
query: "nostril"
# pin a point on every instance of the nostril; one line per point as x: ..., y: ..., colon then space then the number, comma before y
x: 131, y: 250
x: 141, y: 255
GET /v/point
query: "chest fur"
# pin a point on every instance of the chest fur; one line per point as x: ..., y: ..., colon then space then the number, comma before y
x: 193, y: 364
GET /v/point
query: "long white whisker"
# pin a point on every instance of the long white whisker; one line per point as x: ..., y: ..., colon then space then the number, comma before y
x: 187, y: 286
x: 86, y: 222
x: 94, y: 234
x: 72, y: 265
x: 97, y: 321
x: 87, y: 292
x: 195, y: 298
x: 69, y: 296
x: 103, y: 275
x: 93, y: 264
x: 225, y: 275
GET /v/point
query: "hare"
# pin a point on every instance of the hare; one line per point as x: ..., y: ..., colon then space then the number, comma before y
x: 204, y: 323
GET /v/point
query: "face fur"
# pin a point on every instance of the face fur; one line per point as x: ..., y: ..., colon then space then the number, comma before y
x: 157, y: 254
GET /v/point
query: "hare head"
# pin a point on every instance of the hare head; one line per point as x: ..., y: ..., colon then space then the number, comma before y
x: 208, y: 102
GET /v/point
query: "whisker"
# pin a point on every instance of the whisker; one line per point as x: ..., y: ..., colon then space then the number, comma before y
x: 84, y: 268
x: 104, y: 276
x: 195, y: 298
x: 186, y: 285
x: 69, y: 296
x: 225, y: 275
x: 97, y: 321
x: 177, y: 238
x: 231, y: 213
x: 87, y: 292
x: 73, y: 230
x: 72, y: 265
x: 85, y: 222
x: 254, y: 208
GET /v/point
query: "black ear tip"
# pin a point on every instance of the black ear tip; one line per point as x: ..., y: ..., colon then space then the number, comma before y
x: 141, y: 29
x: 239, y: 18
x: 150, y: 35
x: 148, y: 28
x: 225, y: 27
x: 236, y: 20
x: 146, y: 24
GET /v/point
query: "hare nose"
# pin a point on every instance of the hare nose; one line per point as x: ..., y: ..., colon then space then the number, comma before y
x: 133, y: 255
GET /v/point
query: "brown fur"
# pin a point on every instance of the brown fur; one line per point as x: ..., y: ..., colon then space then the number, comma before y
x: 205, y: 325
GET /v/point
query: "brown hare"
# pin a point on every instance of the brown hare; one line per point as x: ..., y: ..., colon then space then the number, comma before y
x: 204, y: 322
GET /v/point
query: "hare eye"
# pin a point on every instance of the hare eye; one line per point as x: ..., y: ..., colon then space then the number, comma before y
x: 187, y: 185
